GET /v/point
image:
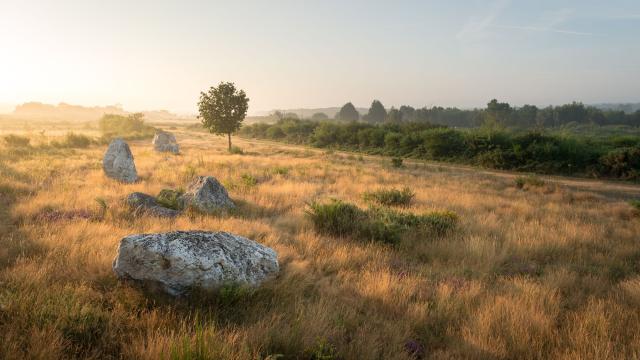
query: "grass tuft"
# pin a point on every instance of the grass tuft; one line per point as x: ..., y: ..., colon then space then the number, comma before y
x: 390, y: 197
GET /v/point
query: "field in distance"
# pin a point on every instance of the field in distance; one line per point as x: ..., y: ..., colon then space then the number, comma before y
x: 533, y: 268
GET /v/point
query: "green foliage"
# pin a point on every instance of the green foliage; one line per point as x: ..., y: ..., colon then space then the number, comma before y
x: 236, y: 150
x: 12, y: 140
x: 339, y: 218
x: 248, y: 180
x: 280, y: 170
x: 390, y: 197
x: 529, y: 180
x: 530, y: 151
x: 319, y: 116
x: 170, y: 198
x: 222, y: 109
x: 396, y: 162
x: 377, y: 113
x: 72, y: 140
x: 635, y: 204
x: 348, y: 112
x: 130, y: 127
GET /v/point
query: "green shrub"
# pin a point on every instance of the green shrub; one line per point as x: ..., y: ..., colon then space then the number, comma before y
x: 236, y: 150
x: 396, y: 162
x: 248, y: 180
x: 280, y: 170
x: 336, y: 218
x: 170, y: 198
x: 16, y: 140
x: 437, y: 222
x: 72, y: 140
x: 636, y: 205
x: 390, y: 197
x: 339, y: 218
x: 529, y: 180
x: 130, y: 127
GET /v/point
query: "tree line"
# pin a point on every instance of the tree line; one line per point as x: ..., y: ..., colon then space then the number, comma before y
x: 531, y: 151
x: 496, y: 113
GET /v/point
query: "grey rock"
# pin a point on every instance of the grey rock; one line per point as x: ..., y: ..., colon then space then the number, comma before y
x: 206, y: 194
x: 181, y: 260
x: 164, y: 141
x: 144, y: 203
x: 118, y: 162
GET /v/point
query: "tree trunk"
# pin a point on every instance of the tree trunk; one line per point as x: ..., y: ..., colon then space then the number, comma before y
x: 229, y: 134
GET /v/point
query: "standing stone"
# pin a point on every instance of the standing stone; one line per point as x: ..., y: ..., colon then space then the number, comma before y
x: 207, y: 195
x: 165, y: 141
x: 181, y: 260
x: 118, y: 162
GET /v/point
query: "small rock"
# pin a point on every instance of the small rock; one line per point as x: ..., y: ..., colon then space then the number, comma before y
x: 181, y: 260
x: 165, y: 141
x: 207, y: 195
x: 143, y: 203
x: 118, y: 162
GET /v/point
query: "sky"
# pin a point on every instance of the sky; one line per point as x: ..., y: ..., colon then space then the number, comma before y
x: 289, y: 54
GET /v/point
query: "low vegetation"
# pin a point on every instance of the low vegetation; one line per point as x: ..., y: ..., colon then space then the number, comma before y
x: 390, y: 197
x: 339, y: 218
x: 528, y: 181
x: 529, y: 150
x: 131, y: 127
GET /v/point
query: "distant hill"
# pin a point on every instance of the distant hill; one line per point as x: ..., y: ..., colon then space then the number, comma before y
x: 627, y: 107
x: 307, y: 113
x: 78, y: 113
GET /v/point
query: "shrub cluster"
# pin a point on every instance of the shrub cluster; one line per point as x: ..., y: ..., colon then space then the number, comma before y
x: 73, y: 140
x: 390, y: 197
x: 531, y: 151
x: 17, y: 141
x: 384, y: 225
x: 530, y: 180
x: 130, y: 127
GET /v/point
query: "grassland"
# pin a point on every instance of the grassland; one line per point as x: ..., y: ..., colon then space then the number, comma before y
x: 548, y: 269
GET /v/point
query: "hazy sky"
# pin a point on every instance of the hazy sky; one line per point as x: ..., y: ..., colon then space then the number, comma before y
x: 285, y: 54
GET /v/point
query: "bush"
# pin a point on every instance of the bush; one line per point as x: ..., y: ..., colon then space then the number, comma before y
x: 530, y: 180
x: 127, y: 127
x: 72, y: 140
x: 391, y: 197
x: 339, y: 218
x: 170, y: 198
x: 16, y: 140
x: 236, y: 150
x: 396, y: 162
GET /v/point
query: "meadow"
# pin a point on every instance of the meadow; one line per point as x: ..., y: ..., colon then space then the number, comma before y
x: 535, y: 267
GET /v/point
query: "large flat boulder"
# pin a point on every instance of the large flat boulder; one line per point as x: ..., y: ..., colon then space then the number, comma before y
x: 206, y: 194
x: 164, y: 141
x: 181, y: 260
x: 118, y: 162
x: 143, y: 203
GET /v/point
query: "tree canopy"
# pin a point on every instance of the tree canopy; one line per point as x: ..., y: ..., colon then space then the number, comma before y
x: 223, y: 108
x: 377, y: 113
x: 348, y: 113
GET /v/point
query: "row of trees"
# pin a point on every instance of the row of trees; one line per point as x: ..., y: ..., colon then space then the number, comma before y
x: 495, y: 114
x: 534, y: 151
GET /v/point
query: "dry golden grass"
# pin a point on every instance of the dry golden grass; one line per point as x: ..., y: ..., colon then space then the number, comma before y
x: 549, y: 272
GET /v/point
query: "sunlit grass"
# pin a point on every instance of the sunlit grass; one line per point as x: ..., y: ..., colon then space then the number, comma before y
x: 547, y: 273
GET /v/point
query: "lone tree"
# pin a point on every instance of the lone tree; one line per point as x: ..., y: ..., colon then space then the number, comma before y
x: 222, y: 109
x: 348, y: 113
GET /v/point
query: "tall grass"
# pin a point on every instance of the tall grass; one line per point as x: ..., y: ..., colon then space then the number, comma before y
x: 519, y: 274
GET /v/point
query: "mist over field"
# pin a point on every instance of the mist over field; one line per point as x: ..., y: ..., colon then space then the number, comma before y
x: 319, y: 180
